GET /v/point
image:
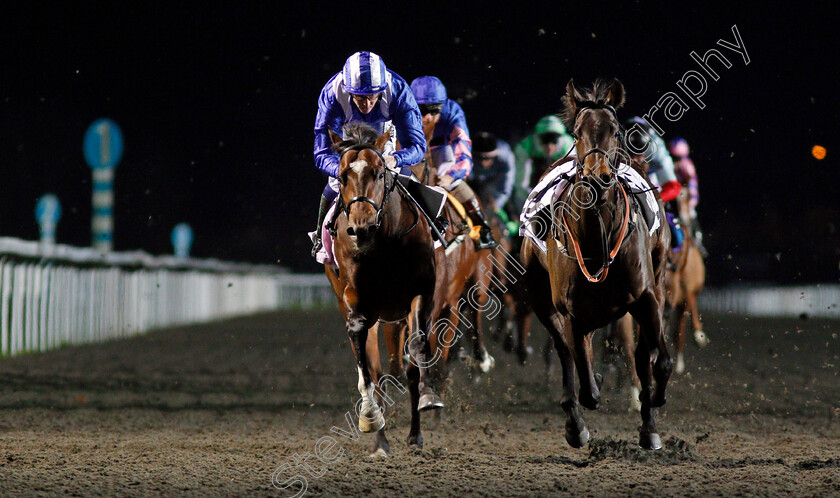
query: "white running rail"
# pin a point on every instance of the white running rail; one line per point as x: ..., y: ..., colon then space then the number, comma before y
x: 60, y: 295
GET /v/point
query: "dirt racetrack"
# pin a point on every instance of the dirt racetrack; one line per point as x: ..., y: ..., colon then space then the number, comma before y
x: 216, y: 409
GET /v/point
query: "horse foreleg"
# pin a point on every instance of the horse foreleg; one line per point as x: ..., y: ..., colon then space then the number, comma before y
x: 577, y: 435
x: 700, y: 337
x: 419, y: 349
x: 368, y: 410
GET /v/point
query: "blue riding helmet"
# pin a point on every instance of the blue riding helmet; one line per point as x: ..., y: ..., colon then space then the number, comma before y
x: 428, y: 90
x: 365, y: 74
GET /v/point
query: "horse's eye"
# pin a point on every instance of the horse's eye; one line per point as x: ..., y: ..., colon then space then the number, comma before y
x: 382, y: 175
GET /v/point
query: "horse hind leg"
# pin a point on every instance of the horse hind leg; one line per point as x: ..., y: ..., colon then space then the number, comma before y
x: 419, y: 348
x: 678, y: 320
x: 652, y: 363
x: 590, y: 382
x: 415, y: 435
x: 381, y: 447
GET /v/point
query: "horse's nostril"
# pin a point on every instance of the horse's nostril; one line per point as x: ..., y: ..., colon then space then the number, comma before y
x: 351, y: 231
x: 605, y: 178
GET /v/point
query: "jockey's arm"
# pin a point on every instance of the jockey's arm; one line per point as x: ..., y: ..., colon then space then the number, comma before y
x: 670, y: 190
x: 329, y: 116
x: 663, y: 166
x: 522, y: 173
x: 405, y: 115
x: 458, y: 137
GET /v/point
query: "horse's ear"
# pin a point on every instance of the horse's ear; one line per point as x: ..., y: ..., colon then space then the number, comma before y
x: 382, y: 140
x: 615, y: 95
x: 570, y: 103
x: 334, y: 137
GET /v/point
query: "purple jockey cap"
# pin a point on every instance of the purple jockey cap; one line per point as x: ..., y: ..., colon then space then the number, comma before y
x: 428, y: 90
x: 365, y: 74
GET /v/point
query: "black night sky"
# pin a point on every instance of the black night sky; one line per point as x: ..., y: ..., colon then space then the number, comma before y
x: 217, y: 102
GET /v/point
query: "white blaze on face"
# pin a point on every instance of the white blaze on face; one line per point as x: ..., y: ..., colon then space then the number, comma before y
x: 358, y: 166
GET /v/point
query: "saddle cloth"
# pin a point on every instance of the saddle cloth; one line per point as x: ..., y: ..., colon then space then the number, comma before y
x: 536, y: 212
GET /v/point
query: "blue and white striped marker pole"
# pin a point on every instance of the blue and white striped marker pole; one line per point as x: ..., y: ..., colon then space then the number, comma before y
x: 103, y: 148
x: 182, y: 239
x: 48, y: 213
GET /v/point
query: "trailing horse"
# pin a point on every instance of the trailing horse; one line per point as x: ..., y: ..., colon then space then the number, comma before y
x: 591, y: 222
x: 386, y: 271
x: 462, y: 287
x: 684, y: 284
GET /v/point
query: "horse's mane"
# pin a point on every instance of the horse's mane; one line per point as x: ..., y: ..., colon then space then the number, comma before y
x: 596, y: 93
x: 356, y: 134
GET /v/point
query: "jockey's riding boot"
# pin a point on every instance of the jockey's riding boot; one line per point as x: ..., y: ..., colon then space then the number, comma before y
x: 485, y: 240
x: 322, y: 213
x: 466, y: 196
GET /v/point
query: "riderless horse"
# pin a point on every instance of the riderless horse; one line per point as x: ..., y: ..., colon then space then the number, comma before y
x: 571, y: 296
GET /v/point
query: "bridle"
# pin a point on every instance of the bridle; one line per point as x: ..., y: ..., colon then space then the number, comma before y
x: 613, y: 161
x: 609, y: 255
x: 386, y: 195
x: 380, y: 208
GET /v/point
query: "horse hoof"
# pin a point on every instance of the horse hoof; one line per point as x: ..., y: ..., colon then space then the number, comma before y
x: 650, y: 441
x: 487, y: 364
x: 680, y: 366
x: 701, y: 339
x: 599, y: 380
x: 371, y: 424
x: 525, y: 354
x: 415, y: 441
x: 429, y: 401
x: 579, y: 439
x: 379, y: 453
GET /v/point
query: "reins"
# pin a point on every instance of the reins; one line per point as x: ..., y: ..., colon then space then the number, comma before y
x: 580, y: 168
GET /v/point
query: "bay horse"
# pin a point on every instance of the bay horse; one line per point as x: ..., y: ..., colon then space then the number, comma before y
x: 386, y: 271
x: 462, y: 285
x: 591, y: 218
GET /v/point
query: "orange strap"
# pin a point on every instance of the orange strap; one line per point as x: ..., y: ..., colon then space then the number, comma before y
x: 621, y: 235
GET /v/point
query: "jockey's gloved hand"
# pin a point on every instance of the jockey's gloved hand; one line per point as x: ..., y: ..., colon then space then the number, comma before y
x: 445, y: 181
x: 390, y: 161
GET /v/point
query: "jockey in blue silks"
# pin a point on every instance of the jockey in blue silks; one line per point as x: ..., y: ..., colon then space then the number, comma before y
x: 365, y: 91
x: 451, y: 134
